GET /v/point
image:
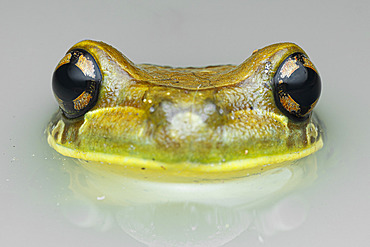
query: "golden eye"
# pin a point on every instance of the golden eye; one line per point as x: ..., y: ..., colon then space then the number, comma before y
x: 297, y: 87
x: 76, y: 82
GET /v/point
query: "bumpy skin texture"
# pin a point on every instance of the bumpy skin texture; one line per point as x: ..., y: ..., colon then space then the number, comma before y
x: 211, y: 119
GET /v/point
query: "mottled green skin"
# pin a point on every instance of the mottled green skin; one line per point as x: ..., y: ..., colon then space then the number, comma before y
x: 205, y: 115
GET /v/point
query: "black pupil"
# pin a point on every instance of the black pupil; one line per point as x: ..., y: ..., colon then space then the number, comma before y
x: 303, y: 85
x: 69, y: 82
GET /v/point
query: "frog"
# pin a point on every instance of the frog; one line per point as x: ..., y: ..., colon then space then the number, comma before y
x: 217, y: 121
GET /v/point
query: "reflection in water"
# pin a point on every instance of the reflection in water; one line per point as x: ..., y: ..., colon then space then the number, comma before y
x: 186, y: 214
x: 183, y: 223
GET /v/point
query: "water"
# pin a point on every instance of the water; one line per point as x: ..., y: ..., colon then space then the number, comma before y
x: 47, y: 199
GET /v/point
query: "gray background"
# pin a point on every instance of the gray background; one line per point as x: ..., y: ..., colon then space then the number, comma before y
x: 34, y: 35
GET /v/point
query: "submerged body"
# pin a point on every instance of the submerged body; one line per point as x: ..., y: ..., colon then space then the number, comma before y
x: 188, y: 121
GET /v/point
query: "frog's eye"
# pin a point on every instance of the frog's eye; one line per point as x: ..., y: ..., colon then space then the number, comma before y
x: 76, y: 83
x: 297, y: 87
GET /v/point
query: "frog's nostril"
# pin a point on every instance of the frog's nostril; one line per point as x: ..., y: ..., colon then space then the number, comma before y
x: 152, y: 109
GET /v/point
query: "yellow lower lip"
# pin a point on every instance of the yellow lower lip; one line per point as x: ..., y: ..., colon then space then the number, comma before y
x: 185, y: 171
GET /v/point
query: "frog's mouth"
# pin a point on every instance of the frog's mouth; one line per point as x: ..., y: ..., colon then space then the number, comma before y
x: 133, y: 142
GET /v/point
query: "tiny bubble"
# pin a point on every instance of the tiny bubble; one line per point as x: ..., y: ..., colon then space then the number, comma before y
x: 99, y: 198
x: 260, y: 238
